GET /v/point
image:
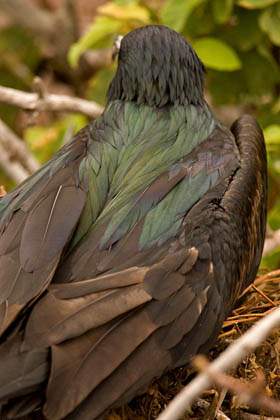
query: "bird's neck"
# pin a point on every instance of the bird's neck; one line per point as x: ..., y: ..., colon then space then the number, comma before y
x: 157, y: 86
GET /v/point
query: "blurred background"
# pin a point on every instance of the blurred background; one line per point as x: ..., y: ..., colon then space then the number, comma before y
x: 68, y: 44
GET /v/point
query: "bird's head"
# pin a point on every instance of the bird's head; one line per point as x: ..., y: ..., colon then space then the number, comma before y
x: 157, y: 67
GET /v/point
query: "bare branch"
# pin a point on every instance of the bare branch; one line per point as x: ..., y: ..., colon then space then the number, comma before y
x: 15, y: 158
x: 227, y: 360
x: 13, y: 169
x: 16, y: 149
x: 49, y: 102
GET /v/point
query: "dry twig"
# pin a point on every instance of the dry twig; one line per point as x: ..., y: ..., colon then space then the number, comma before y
x: 13, y: 169
x: 251, y: 394
x: 49, y: 102
x: 16, y: 149
x: 261, y: 280
x: 15, y: 159
x: 206, y: 405
x: 227, y: 360
x: 249, y: 416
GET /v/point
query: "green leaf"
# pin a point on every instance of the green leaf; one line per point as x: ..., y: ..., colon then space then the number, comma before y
x: 272, y: 134
x: 8, y: 183
x: 273, y: 166
x: 216, y: 54
x: 256, y: 4
x: 103, y: 27
x: 276, y: 107
x: 45, y: 141
x: 274, y: 216
x: 99, y: 85
x: 245, y: 86
x: 270, y: 23
x: 271, y: 261
x: 222, y: 10
x: 201, y: 22
x: 114, y: 18
x: 176, y: 12
x: 245, y: 34
x: 20, y: 57
x: 16, y: 42
x: 130, y: 11
x: 258, y: 82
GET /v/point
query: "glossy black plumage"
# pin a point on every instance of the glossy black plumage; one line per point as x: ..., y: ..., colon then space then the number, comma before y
x: 123, y: 255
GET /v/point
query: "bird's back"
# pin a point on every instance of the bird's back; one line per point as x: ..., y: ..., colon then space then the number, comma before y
x: 123, y: 255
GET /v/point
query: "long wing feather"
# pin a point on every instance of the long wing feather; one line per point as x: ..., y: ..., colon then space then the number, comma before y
x: 37, y: 220
x: 49, y: 225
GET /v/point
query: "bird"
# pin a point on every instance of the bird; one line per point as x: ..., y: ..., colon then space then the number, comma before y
x: 122, y: 255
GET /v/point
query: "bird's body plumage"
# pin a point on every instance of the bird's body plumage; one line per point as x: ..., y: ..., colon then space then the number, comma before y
x: 121, y: 257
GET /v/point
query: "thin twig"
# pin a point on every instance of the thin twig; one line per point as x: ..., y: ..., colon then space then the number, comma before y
x: 251, y: 394
x: 263, y: 279
x: 229, y: 359
x: 205, y: 405
x: 267, y: 277
x: 249, y: 416
x: 15, y: 158
x: 16, y: 149
x: 13, y: 169
x: 49, y: 102
x: 264, y: 295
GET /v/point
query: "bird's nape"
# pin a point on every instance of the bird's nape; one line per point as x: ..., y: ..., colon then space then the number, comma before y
x: 157, y: 67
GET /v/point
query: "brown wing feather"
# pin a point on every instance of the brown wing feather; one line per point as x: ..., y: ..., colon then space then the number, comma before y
x: 36, y: 226
x: 48, y: 226
x: 103, y: 354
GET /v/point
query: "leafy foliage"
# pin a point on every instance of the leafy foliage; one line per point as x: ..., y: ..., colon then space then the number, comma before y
x: 175, y: 13
x: 45, y: 141
x: 225, y: 58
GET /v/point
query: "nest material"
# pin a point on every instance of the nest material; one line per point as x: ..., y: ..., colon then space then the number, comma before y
x: 255, y: 302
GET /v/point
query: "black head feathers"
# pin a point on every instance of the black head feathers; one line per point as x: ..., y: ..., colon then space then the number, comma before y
x: 157, y: 66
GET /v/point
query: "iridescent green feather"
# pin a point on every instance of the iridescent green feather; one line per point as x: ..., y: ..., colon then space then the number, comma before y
x: 140, y: 143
